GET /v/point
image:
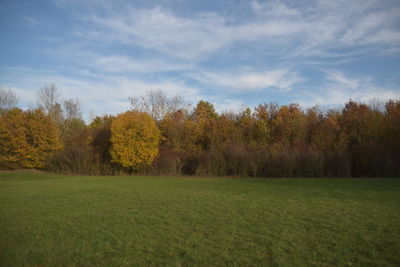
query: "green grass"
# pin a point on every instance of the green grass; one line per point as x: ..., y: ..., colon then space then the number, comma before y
x: 54, y: 220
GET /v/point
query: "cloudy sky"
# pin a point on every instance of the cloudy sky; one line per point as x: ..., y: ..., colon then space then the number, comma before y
x: 233, y: 53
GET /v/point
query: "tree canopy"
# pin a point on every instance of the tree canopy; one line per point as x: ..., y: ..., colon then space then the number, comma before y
x: 135, y: 138
x: 27, y: 138
x: 164, y: 135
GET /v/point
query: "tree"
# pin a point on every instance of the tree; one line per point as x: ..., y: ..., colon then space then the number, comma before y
x: 100, y: 134
x: 43, y: 137
x: 289, y: 125
x: 48, y: 97
x: 72, y: 109
x: 355, y: 122
x: 13, y: 143
x: 157, y: 104
x: 204, y: 111
x: 8, y: 100
x: 135, y: 138
x: 72, y: 118
x: 204, y: 117
x: 246, y: 123
x: 27, y: 138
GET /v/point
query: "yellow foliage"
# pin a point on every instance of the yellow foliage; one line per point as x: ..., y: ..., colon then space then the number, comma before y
x: 135, y: 138
x: 27, y: 138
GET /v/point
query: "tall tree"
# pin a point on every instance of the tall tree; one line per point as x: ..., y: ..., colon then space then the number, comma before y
x: 48, y: 97
x: 8, y: 100
x: 72, y: 109
x: 204, y: 117
x: 157, y: 104
x: 100, y: 134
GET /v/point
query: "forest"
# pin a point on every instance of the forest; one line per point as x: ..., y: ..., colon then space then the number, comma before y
x: 168, y: 136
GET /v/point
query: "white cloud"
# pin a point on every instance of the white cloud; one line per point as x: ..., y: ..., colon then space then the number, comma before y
x: 186, y: 38
x: 384, y: 36
x: 159, y: 29
x: 340, y: 88
x: 273, y: 8
x: 228, y: 105
x: 312, y: 29
x: 292, y: 34
x: 283, y: 79
x: 105, y: 94
x: 338, y: 78
x: 118, y: 63
x: 377, y: 27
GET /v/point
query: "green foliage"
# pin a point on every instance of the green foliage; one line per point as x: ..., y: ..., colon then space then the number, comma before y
x: 135, y: 138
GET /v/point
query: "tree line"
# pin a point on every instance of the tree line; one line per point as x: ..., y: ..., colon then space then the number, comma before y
x: 163, y: 135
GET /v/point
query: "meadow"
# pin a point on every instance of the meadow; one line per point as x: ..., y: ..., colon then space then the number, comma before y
x: 59, y: 220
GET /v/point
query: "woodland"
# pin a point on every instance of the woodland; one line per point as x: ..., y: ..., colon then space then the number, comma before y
x: 161, y: 135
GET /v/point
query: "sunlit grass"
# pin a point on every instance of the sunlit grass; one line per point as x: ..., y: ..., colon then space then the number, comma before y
x: 55, y: 220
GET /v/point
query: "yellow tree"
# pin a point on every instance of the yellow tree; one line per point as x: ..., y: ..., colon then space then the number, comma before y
x: 27, y: 138
x: 13, y: 144
x: 135, y: 138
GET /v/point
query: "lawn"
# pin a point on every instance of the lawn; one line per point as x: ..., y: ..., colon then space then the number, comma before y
x: 57, y: 220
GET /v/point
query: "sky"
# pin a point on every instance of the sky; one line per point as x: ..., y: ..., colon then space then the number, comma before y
x: 232, y: 53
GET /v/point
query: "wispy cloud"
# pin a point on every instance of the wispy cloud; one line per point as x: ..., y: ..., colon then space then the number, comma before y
x: 277, y: 9
x: 159, y: 28
x: 378, y: 27
x: 118, y: 63
x: 104, y: 94
x: 282, y: 79
x: 200, y: 36
x: 339, y: 88
x: 228, y: 52
x: 315, y: 30
x: 223, y: 104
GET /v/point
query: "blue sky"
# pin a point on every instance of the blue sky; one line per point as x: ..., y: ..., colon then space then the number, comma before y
x: 232, y: 53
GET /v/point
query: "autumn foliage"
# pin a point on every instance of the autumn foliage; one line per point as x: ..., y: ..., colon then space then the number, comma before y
x: 134, y: 138
x: 166, y: 136
x: 27, y: 138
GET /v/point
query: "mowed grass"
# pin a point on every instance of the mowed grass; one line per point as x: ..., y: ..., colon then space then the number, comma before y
x: 57, y: 220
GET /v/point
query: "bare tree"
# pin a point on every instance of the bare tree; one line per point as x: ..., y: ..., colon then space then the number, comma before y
x: 48, y: 98
x: 72, y: 109
x: 157, y: 104
x: 8, y: 99
x: 377, y: 105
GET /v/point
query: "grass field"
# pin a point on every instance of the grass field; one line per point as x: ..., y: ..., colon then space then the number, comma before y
x: 59, y: 220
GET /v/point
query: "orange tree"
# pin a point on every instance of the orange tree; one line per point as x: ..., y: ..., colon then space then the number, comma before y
x: 134, y: 138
